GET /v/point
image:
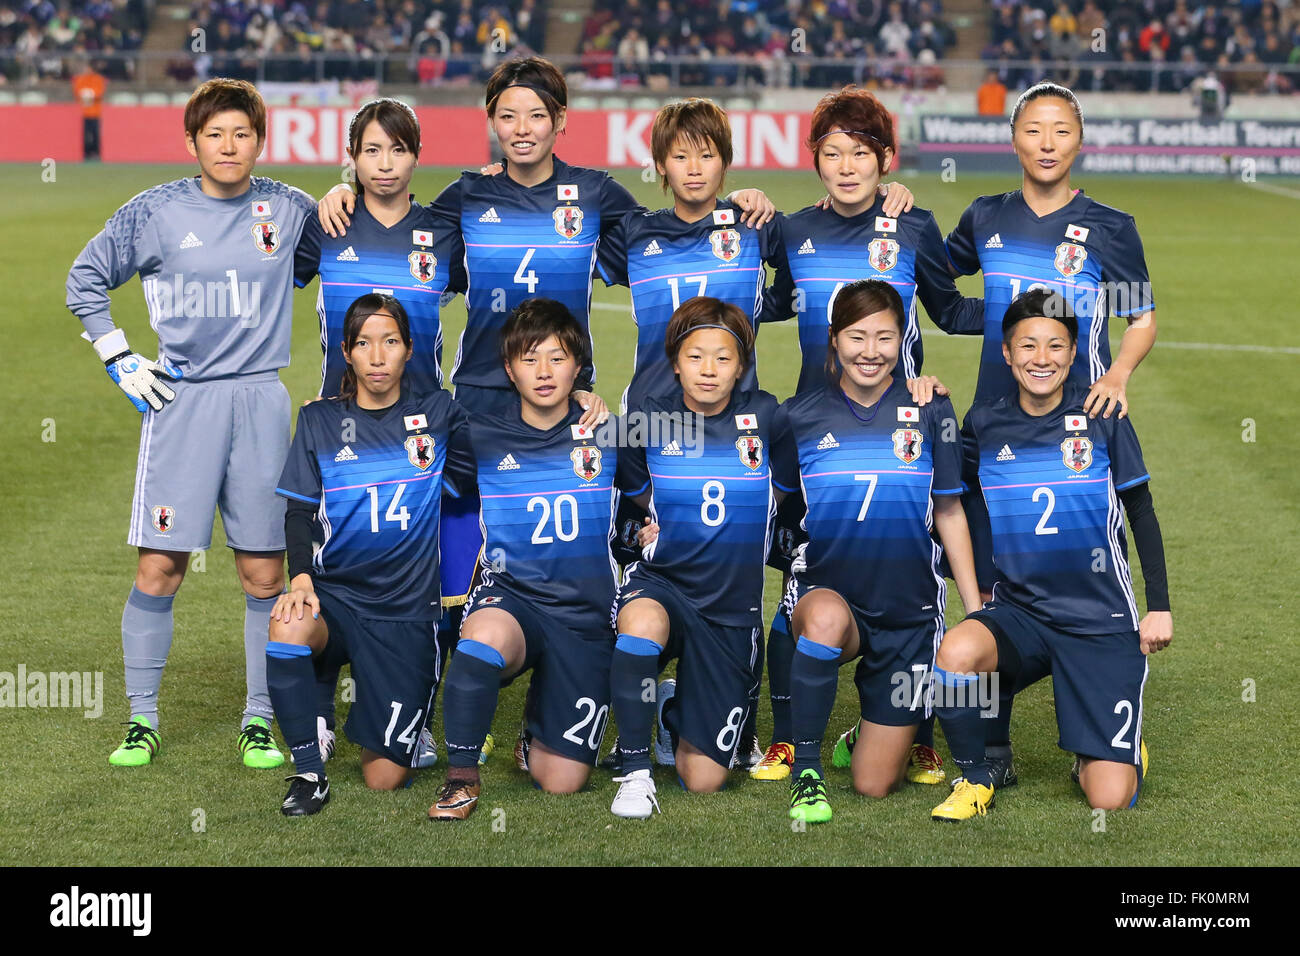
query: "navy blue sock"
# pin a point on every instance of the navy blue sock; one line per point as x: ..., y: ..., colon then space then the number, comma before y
x: 291, y: 680
x: 470, y: 701
x: 780, y: 652
x: 750, y: 730
x: 327, y: 683
x: 958, y: 711
x: 813, y: 675
x: 997, y: 730
x: 632, y: 689
x: 925, y: 732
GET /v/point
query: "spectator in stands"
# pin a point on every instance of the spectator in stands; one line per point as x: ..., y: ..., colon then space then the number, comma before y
x: 1153, y: 35
x: 88, y: 90
x: 633, y: 57
x: 664, y: 23
x: 895, y: 34
x: 530, y: 24
x: 1005, y: 26
x: 1090, y: 20
x: 991, y: 97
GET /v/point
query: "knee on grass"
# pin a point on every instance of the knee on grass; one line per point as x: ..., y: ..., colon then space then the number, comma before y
x: 381, y: 774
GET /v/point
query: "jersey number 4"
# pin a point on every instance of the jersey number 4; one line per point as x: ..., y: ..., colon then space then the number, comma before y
x: 394, y: 514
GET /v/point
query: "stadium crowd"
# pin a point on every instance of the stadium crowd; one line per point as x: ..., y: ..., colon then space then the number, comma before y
x: 50, y: 32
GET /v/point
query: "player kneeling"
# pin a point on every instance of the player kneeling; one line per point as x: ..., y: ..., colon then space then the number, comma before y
x: 547, y: 494
x: 698, y: 593
x: 875, y: 464
x: 368, y: 468
x: 1053, y: 479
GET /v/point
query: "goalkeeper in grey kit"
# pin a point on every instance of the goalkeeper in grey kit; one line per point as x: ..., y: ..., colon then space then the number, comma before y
x: 215, y: 258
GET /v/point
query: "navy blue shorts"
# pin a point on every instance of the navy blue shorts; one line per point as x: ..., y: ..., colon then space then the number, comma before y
x: 715, y: 668
x: 396, y: 667
x: 895, y: 664
x: 1097, y: 680
x: 629, y: 517
x: 787, y: 534
x: 568, y: 701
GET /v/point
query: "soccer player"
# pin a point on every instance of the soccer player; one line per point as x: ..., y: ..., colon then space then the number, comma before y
x: 397, y: 247
x: 879, y: 473
x: 215, y: 257
x: 547, y: 491
x: 1053, y: 478
x: 365, y: 475
x: 1051, y: 235
x: 698, y: 593
x: 822, y: 248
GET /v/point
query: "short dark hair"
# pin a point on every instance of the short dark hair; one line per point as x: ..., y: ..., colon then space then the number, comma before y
x: 1039, y: 303
x: 535, y: 320
x: 538, y: 74
x: 354, y: 321
x: 1047, y: 88
x: 861, y: 115
x: 704, y: 311
x: 699, y: 121
x: 855, y: 302
x: 220, y: 94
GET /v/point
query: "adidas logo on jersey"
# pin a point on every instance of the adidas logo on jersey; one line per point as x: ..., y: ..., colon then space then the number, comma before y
x: 827, y: 442
x: 652, y: 249
x: 1006, y: 454
x: 190, y: 241
x: 348, y: 255
x: 672, y: 448
x: 490, y: 215
x: 995, y: 242
x: 347, y: 454
x: 508, y: 463
x: 806, y: 249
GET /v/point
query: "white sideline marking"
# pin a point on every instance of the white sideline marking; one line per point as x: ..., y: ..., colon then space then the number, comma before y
x: 1160, y: 343
x: 1277, y: 190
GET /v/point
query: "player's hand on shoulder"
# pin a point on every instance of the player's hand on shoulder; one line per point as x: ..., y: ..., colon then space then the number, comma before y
x: 647, y: 534
x: 925, y: 387
x: 138, y: 377
x: 1156, y: 631
x: 898, y: 199
x: 1107, y: 394
x: 757, y: 208
x: 491, y: 169
x: 311, y: 401
x: 334, y: 208
x: 594, y: 410
x: 299, y: 599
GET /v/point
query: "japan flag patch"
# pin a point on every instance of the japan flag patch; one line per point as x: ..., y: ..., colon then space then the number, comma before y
x: 261, y: 207
x: 415, y: 422
x: 1077, y: 233
x: 885, y: 224
x: 421, y: 238
x: 566, y: 192
x: 1076, y: 423
x: 908, y: 413
x: 724, y: 217
x: 581, y: 432
x: 747, y: 421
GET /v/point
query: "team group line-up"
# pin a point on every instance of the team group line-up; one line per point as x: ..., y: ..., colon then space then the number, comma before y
x: 519, y: 527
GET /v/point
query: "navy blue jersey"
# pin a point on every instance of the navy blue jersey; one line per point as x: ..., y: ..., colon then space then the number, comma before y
x: 547, y: 508
x: 711, y: 495
x: 526, y: 242
x: 1050, y: 484
x: 819, y: 252
x: 411, y: 261
x: 868, y: 475
x: 377, y: 482
x: 1088, y: 252
x: 665, y: 261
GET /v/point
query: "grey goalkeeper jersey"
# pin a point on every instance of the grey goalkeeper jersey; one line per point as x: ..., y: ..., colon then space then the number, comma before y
x: 217, y: 274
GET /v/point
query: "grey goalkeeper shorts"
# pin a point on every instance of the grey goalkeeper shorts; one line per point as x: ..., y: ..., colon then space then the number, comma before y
x: 217, y: 444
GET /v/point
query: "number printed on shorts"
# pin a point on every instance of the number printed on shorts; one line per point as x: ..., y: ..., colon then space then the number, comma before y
x: 566, y: 518
x: 712, y: 509
x: 597, y: 717
x: 1125, y: 708
x: 730, y: 730
x: 410, y: 735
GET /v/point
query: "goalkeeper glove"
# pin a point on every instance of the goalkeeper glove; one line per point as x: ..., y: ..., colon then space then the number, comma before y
x: 133, y: 373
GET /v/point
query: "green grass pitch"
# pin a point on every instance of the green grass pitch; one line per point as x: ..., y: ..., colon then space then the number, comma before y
x: 1220, y: 710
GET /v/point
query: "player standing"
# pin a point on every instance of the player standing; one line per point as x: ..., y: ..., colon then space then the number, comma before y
x: 547, y: 491
x: 367, y: 470
x: 821, y: 249
x: 215, y: 257
x: 1053, y: 479
x: 879, y: 473
x: 1051, y: 235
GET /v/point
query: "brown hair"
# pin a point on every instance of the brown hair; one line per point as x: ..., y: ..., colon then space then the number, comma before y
x: 221, y: 94
x: 355, y: 320
x: 535, y: 320
x: 704, y: 311
x: 535, y: 73
x: 393, y: 116
x: 855, y: 302
x: 858, y: 113
x: 700, y: 122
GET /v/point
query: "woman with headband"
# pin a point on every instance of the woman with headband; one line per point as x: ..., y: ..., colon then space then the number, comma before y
x: 703, y: 474
x: 823, y: 248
